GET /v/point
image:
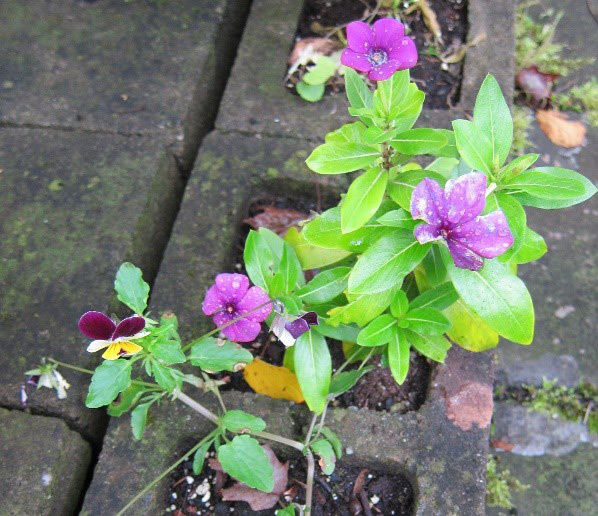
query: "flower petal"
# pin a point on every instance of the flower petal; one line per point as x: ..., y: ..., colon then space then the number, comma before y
x: 387, y: 34
x: 129, y: 348
x: 213, y: 301
x: 297, y: 327
x: 425, y: 233
x: 242, y: 331
x: 405, y: 52
x: 310, y: 318
x: 255, y: 297
x: 232, y: 287
x: 383, y: 72
x: 129, y: 327
x: 112, y: 353
x: 488, y: 236
x: 96, y: 345
x: 360, y: 37
x: 428, y: 202
x: 96, y: 325
x: 354, y: 60
x: 463, y: 257
x: 465, y: 197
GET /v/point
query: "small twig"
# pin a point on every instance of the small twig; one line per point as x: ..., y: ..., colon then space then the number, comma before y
x: 311, y: 429
x: 198, y: 407
x: 321, y: 424
x: 311, y: 469
x: 365, y: 503
x: 588, y: 410
x: 215, y: 390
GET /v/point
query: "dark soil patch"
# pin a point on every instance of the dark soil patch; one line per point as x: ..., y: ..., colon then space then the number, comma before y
x: 441, y: 83
x: 333, y: 495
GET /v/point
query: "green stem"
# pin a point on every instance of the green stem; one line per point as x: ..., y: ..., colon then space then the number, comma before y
x: 198, y: 407
x: 233, y: 321
x: 280, y: 439
x: 311, y: 429
x: 348, y: 361
x: 166, y: 472
x: 366, y: 359
x: 215, y: 390
x: 321, y: 423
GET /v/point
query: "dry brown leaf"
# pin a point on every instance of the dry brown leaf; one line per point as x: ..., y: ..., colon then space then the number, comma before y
x: 429, y: 17
x: 258, y: 500
x: 275, y: 219
x: 311, y: 46
x: 498, y: 444
x: 273, y: 381
x: 559, y: 130
x: 459, y: 55
x: 534, y: 83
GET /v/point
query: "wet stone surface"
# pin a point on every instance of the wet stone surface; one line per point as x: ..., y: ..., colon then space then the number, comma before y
x: 47, y: 465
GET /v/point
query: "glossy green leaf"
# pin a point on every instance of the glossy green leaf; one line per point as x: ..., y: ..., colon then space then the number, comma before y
x: 532, y: 248
x: 325, y: 286
x: 434, y: 347
x: 516, y: 166
x: 444, y: 166
x: 378, y: 332
x: 245, y: 460
x: 310, y: 256
x: 386, y: 263
x: 400, y: 304
x: 544, y: 185
x: 139, y: 419
x: 273, y: 241
x: 342, y: 332
x: 167, y: 378
x: 409, y: 109
x: 398, y: 355
x: 397, y: 219
x: 439, y: 297
x: 449, y: 151
x: 434, y: 266
x: 313, y: 368
x: 427, y: 320
x: 259, y: 261
x: 499, y: 298
x: 334, y: 440
x: 420, y: 141
x: 491, y: 114
x: 390, y: 95
x: 289, y: 510
x: 516, y: 219
x: 345, y: 380
x: 401, y: 188
x: 363, y: 199
x: 310, y: 92
x: 354, y: 132
x: 473, y: 145
x: 322, y: 71
x: 324, y: 450
x: 468, y: 330
x: 239, y: 421
x: 128, y: 398
x: 289, y: 270
x: 361, y: 309
x: 130, y: 287
x: 291, y: 303
x: 374, y: 135
x: 358, y: 93
x: 214, y: 355
x: 108, y: 381
x: 340, y: 158
x: 200, y: 456
x: 168, y: 351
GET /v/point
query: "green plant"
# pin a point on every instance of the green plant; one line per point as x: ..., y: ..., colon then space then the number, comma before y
x: 500, y: 484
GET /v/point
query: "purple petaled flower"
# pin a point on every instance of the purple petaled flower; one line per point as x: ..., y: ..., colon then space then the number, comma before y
x: 106, y: 334
x: 452, y: 215
x: 380, y: 50
x: 230, y: 297
x: 289, y: 331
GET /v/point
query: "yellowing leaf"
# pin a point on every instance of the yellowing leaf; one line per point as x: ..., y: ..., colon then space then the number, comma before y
x: 312, y: 257
x: 273, y: 381
x: 468, y: 330
x: 559, y: 130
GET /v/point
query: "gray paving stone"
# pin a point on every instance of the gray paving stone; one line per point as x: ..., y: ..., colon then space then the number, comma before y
x: 73, y: 206
x: 151, y: 67
x: 256, y: 101
x: 44, y: 465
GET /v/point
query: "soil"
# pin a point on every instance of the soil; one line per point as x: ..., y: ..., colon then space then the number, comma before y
x: 441, y: 83
x: 333, y: 495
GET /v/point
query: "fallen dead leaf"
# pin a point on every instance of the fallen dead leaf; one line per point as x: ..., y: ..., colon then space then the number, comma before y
x: 273, y: 381
x: 559, y: 130
x: 534, y: 83
x: 310, y: 46
x: 498, y: 444
x: 429, y: 17
x: 258, y: 500
x: 279, y: 220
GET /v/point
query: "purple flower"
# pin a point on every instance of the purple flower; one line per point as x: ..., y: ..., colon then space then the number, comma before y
x: 106, y: 334
x: 380, y: 50
x: 229, y: 298
x: 452, y: 215
x: 289, y: 331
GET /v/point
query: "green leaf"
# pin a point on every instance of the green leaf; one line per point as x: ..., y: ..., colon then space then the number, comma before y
x: 139, y: 419
x: 399, y: 304
x: 289, y: 272
x: 259, y: 261
x: 288, y: 359
x: 108, y: 381
x: 321, y: 72
x: 444, y: 166
x: 468, y: 330
x: 246, y: 461
x: 434, y: 347
x: 325, y: 286
x: 313, y: 368
x: 474, y: 147
x: 499, y: 298
x: 544, y: 185
x: 354, y: 132
x: 166, y: 377
x: 310, y: 92
x: 239, y: 421
x: 342, y: 332
x: 532, y: 248
x: 567, y: 177
x: 384, y: 265
x: 434, y: 266
x: 289, y: 510
x: 409, y: 109
x: 516, y: 219
x: 420, y: 141
x: 292, y: 304
x: 358, y: 93
x: 374, y: 135
x: 310, y: 256
x: 200, y: 456
x: 334, y: 440
x: 378, y: 332
x: 427, y: 320
x: 324, y: 450
x: 390, y: 95
x: 491, y: 114
x: 449, y: 151
x: 130, y: 287
x: 215, y: 355
x: 363, y: 199
x: 340, y: 158
x: 401, y: 188
x: 168, y: 351
x: 361, y: 309
x: 397, y: 219
x: 345, y: 380
x: 128, y: 398
x: 398, y: 355
x: 516, y: 166
x: 439, y: 298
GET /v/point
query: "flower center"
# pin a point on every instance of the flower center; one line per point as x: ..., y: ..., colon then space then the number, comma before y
x: 445, y: 233
x: 230, y: 309
x: 377, y: 57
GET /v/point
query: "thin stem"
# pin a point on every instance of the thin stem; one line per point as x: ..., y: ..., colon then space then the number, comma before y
x: 366, y: 359
x: 166, y: 472
x: 215, y: 390
x: 311, y: 429
x: 311, y: 468
x: 280, y: 439
x: 321, y: 423
x: 348, y: 361
x: 232, y: 321
x: 197, y: 406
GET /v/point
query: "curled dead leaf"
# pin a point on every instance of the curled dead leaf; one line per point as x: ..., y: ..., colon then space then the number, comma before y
x: 279, y: 220
x: 534, y: 83
x: 309, y: 47
x: 429, y: 17
x: 559, y: 130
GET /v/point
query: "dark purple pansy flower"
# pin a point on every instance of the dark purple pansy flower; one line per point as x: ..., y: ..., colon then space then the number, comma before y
x: 289, y: 331
x: 452, y: 215
x: 380, y: 50
x: 106, y: 334
x: 229, y: 298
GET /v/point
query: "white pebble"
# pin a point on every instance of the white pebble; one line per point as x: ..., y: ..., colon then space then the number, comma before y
x: 349, y: 450
x: 206, y: 497
x: 189, y: 479
x: 375, y: 499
